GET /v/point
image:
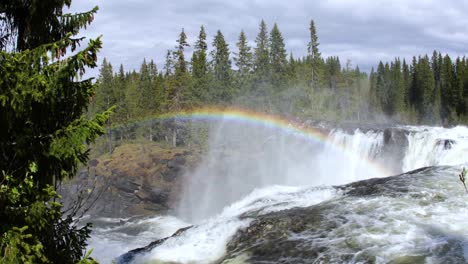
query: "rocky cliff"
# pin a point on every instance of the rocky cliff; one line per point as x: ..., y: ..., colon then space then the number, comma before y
x: 136, y: 179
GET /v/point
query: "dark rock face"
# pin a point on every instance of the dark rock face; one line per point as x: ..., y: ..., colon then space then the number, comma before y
x: 395, y: 145
x: 267, y: 239
x: 134, y: 181
x: 132, y: 254
x: 446, y: 143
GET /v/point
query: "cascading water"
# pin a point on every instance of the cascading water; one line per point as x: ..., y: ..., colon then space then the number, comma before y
x: 245, y: 157
x: 361, y: 148
x: 251, y: 171
x: 430, y: 146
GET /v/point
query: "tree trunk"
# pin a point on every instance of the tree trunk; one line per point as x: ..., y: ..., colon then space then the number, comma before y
x: 174, y: 138
x: 110, y: 140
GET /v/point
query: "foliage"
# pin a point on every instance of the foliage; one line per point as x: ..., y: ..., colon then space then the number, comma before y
x: 32, y: 227
x: 426, y: 90
x: 45, y: 133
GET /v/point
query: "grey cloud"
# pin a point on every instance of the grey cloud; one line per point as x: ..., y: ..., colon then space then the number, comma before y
x: 364, y: 31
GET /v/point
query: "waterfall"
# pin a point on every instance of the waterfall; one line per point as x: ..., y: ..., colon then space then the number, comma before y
x: 431, y: 146
x: 243, y: 157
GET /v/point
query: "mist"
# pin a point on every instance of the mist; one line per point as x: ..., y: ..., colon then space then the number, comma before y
x: 243, y: 156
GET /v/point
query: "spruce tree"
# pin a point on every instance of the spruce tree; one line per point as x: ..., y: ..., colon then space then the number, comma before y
x: 121, y: 110
x: 406, y: 83
x: 106, y: 95
x: 397, y: 89
x: 44, y: 131
x: 243, y: 58
x: 200, y: 68
x: 169, y: 64
x: 425, y: 85
x: 199, y: 57
x: 221, y: 68
x: 446, y: 89
x: 244, y: 62
x: 458, y: 86
x: 278, y: 61
x: 314, y: 56
x: 178, y: 92
x: 29, y: 24
x: 374, y: 102
x: 180, y: 62
x: 262, y: 58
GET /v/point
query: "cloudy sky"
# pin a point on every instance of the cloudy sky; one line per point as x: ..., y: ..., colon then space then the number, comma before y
x: 364, y: 31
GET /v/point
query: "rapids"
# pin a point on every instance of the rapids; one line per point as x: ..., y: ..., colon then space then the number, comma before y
x: 252, y: 172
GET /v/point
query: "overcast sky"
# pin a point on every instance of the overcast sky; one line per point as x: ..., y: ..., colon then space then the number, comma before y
x: 364, y: 31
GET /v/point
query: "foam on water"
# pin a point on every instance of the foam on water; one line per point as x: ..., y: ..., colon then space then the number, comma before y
x: 206, y: 242
x: 122, y: 235
x: 428, y: 222
x: 264, y: 171
x: 426, y: 146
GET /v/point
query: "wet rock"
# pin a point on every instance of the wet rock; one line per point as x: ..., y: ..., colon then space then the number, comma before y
x: 135, y: 180
x: 446, y: 143
x: 93, y: 163
x: 125, y: 184
x: 323, y: 233
x: 393, y: 151
x: 132, y: 254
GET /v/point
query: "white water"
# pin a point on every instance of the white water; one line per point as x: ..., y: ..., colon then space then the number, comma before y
x: 206, y: 242
x: 255, y: 169
x: 425, y: 147
x: 429, y: 221
x: 113, y: 237
x: 243, y: 157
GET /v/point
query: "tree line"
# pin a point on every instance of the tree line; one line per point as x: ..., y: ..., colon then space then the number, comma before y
x: 266, y: 78
x: 429, y: 90
x: 263, y: 78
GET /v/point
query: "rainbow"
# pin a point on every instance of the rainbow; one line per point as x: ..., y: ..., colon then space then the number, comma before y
x: 260, y: 119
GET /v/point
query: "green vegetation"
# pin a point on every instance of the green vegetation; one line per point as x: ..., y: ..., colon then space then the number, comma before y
x: 44, y: 130
x: 265, y: 78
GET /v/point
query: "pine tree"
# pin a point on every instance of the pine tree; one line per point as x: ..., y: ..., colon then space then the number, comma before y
x: 106, y: 96
x: 200, y: 68
x: 262, y: 58
x: 278, y: 59
x: 179, y: 95
x: 458, y: 86
x: 121, y: 110
x: 29, y: 24
x: 243, y: 58
x: 244, y: 62
x: 374, y: 101
x: 425, y: 85
x: 406, y: 83
x: 446, y: 87
x: 413, y: 90
x: 199, y: 57
x: 180, y: 63
x: 397, y: 90
x: 44, y: 130
x: 169, y: 64
x: 436, y: 97
x: 147, y: 87
x: 314, y: 56
x: 333, y: 72
x: 221, y: 68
